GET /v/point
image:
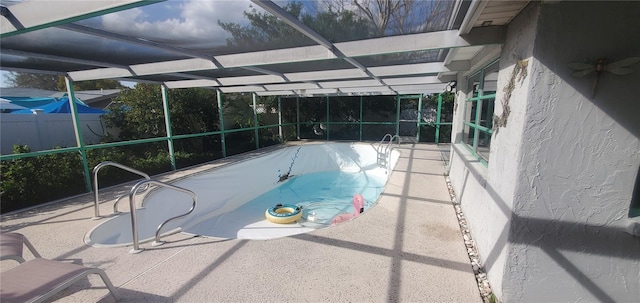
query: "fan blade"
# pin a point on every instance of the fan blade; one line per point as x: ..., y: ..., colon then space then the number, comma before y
x: 579, y: 65
x: 621, y: 71
x: 582, y: 73
x: 623, y: 62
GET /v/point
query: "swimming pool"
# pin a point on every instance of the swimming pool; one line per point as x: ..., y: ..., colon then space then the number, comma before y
x: 321, y: 178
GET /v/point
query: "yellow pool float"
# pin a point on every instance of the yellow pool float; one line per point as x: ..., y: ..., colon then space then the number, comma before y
x: 283, y: 213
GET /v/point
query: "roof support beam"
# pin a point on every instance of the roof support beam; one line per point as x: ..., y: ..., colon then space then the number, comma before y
x: 138, y: 71
x: 266, y: 72
x: 473, y: 13
x: 112, y: 36
x: 353, y: 83
x: 34, y: 15
x: 156, y: 45
x: 249, y: 80
x: 184, y: 65
x: 421, y: 88
x: 101, y: 73
x: 377, y: 46
x: 276, y: 93
x: 242, y: 89
x: 484, y: 57
x: 312, y: 34
x: 412, y: 80
x: 368, y: 47
x: 368, y: 90
x: 409, y: 69
x: 33, y: 71
x: 291, y: 86
x: 422, y: 41
x: 193, y: 77
x: 327, y: 75
x: 446, y: 78
x: 191, y: 83
x: 459, y: 66
x: 319, y: 91
x: 139, y: 81
x: 60, y: 58
x: 296, y: 54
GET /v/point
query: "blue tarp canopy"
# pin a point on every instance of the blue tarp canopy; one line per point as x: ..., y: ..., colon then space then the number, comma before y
x: 31, y: 102
x: 62, y: 107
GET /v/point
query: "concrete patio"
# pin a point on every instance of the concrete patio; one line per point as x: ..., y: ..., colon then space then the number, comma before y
x: 407, y: 248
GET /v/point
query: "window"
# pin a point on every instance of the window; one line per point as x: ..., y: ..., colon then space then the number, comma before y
x: 478, y: 111
x: 634, y: 210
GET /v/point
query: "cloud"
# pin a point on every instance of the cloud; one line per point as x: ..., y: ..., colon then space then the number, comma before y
x: 189, y: 24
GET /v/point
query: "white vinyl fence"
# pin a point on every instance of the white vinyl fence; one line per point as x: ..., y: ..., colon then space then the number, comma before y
x: 45, y: 131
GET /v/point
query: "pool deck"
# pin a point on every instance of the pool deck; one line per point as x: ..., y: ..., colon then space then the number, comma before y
x: 407, y: 248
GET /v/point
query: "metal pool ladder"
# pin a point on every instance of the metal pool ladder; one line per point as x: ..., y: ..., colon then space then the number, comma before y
x: 384, y: 152
x: 95, y: 184
x: 134, y: 226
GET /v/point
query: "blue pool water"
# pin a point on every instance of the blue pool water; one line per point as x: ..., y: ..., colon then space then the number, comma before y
x: 232, y: 200
x: 323, y: 194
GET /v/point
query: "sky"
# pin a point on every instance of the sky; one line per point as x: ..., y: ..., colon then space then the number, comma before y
x: 174, y: 20
x: 192, y: 22
x: 188, y: 23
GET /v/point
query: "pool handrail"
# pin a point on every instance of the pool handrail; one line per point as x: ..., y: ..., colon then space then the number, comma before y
x: 134, y: 225
x: 391, y: 141
x: 382, y: 141
x: 96, y: 169
x: 381, y: 159
x: 387, y: 151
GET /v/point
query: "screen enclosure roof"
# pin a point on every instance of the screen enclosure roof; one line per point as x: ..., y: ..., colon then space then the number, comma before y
x: 325, y: 47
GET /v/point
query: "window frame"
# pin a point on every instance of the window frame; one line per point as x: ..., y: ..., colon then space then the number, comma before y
x: 473, y: 120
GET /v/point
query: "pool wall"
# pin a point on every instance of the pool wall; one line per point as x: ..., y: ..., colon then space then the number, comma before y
x: 227, y: 188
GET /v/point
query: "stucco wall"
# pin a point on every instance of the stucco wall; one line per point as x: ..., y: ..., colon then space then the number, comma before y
x: 549, y: 212
x: 486, y: 193
x: 579, y: 157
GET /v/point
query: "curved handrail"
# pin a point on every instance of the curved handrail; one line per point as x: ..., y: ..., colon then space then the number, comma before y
x: 96, y: 169
x: 391, y: 141
x: 382, y: 141
x: 391, y: 137
x: 134, y: 224
x: 388, y: 151
x: 115, y: 204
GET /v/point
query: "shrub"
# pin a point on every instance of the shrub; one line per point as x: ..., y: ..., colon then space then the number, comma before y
x: 31, y: 181
x: 35, y: 180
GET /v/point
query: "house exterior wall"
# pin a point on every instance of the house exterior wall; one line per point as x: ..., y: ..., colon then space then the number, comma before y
x: 549, y: 212
x: 486, y: 192
x: 579, y: 158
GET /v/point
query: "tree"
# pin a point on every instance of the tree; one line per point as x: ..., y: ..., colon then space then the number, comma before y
x: 29, y: 80
x: 57, y: 83
x: 138, y: 113
x: 338, y: 26
x: 264, y: 30
x: 341, y: 20
x: 396, y: 17
x: 269, y: 32
x: 91, y: 84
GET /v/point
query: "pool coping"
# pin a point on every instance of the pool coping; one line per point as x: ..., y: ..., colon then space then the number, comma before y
x: 408, y: 247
